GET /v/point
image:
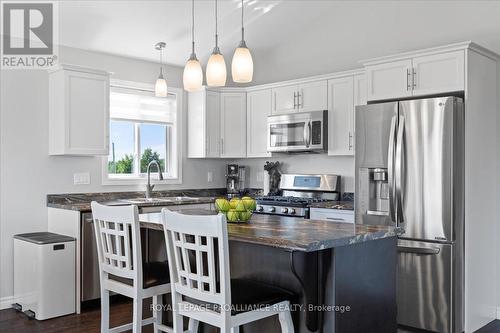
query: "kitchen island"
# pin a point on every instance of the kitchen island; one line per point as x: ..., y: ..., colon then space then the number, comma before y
x: 343, y: 274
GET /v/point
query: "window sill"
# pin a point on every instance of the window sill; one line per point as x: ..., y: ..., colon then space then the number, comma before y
x: 140, y: 181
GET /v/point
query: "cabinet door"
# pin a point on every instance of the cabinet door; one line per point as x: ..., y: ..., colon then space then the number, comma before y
x: 333, y: 215
x: 87, y: 113
x: 389, y: 80
x: 212, y: 124
x: 233, y: 125
x: 359, y: 89
x: 438, y: 73
x: 313, y: 96
x: 340, y: 116
x: 284, y: 100
x: 258, y: 109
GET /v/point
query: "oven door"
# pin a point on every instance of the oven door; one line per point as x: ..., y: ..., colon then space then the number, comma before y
x: 297, y: 132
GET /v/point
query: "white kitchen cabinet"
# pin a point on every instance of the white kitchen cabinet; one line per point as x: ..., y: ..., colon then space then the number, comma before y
x: 204, y: 124
x: 439, y: 73
x: 284, y: 99
x: 312, y: 96
x: 389, y: 80
x: 78, y: 111
x: 258, y: 109
x: 341, y: 116
x: 304, y: 97
x: 419, y: 75
x: 359, y: 89
x: 333, y: 215
x: 233, y: 124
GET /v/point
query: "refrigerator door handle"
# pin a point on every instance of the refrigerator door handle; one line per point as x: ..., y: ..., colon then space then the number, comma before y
x: 418, y: 250
x: 390, y: 168
x: 399, y: 169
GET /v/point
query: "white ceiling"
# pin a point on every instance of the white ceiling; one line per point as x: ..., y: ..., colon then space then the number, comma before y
x: 288, y: 38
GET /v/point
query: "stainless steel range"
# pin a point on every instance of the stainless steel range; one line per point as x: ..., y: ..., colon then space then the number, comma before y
x: 298, y: 192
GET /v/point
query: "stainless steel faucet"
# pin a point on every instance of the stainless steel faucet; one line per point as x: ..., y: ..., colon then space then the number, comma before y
x: 149, y: 187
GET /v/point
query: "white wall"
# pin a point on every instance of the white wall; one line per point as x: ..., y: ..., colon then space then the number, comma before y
x: 28, y: 174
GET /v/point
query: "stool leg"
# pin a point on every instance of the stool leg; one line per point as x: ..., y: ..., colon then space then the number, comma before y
x: 235, y: 329
x: 104, y: 310
x: 286, y: 322
x: 178, y: 323
x: 137, y: 314
x: 193, y: 325
x: 157, y: 312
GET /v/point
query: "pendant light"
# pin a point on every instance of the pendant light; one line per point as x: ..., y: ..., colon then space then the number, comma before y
x: 216, y: 67
x: 161, y: 83
x: 193, y: 74
x: 242, y: 65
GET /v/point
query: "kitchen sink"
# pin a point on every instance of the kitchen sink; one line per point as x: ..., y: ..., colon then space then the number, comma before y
x: 158, y: 200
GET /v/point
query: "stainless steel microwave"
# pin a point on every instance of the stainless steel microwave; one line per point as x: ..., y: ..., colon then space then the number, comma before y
x: 298, y: 132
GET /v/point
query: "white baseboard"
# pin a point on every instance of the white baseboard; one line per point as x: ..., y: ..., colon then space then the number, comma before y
x: 6, y: 302
x: 498, y: 312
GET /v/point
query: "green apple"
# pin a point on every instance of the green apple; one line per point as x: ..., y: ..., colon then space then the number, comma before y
x: 232, y: 215
x: 240, y: 207
x: 234, y: 202
x: 222, y: 205
x: 249, y: 203
x: 246, y: 215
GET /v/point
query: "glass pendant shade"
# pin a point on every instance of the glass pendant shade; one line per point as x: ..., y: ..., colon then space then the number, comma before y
x: 216, y: 70
x: 161, y: 89
x: 193, y: 75
x: 242, y: 65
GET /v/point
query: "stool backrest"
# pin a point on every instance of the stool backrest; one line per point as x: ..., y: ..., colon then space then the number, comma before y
x: 117, y: 233
x: 198, y: 256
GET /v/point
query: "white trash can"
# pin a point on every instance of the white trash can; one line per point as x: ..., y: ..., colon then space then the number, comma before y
x: 44, y: 274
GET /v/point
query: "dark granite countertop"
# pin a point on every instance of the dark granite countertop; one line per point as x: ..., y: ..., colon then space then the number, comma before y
x: 290, y: 233
x: 81, y: 201
x: 342, y: 205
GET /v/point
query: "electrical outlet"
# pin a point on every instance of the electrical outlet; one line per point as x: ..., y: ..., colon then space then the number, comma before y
x: 260, y: 176
x: 210, y: 176
x: 82, y: 178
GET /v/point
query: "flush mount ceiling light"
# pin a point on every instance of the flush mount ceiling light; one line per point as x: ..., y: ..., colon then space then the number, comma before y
x: 216, y: 67
x: 193, y: 74
x: 242, y: 65
x: 161, y: 83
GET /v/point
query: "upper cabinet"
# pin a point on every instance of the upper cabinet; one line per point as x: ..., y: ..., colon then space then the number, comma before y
x: 416, y: 76
x: 204, y: 124
x: 78, y: 111
x: 305, y: 97
x: 233, y: 124
x: 216, y: 124
x: 258, y: 109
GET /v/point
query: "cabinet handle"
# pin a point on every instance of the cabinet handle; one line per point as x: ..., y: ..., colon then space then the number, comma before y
x: 413, y: 81
x: 408, y: 79
x: 299, y: 103
x: 335, y: 219
x: 294, y: 99
x: 222, y: 145
x: 350, y: 141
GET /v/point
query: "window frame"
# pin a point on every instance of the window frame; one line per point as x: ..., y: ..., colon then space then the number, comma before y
x: 173, y: 169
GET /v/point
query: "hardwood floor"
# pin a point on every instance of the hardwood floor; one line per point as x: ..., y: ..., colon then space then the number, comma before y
x: 89, y: 321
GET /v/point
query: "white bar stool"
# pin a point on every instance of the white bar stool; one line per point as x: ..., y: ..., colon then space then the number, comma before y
x: 122, y: 271
x: 198, y: 256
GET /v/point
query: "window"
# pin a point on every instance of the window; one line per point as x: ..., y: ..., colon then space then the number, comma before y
x: 142, y: 128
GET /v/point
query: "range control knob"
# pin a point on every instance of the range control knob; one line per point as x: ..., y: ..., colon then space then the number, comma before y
x: 284, y: 210
x: 292, y: 211
x: 272, y: 209
x: 259, y: 208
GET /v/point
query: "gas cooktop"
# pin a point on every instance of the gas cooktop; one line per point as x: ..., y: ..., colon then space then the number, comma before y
x: 282, y: 200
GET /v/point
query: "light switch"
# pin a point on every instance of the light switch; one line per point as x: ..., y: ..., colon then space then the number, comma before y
x: 210, y: 176
x: 82, y: 178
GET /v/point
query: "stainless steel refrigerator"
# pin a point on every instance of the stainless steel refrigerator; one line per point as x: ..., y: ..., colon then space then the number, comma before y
x: 410, y: 173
